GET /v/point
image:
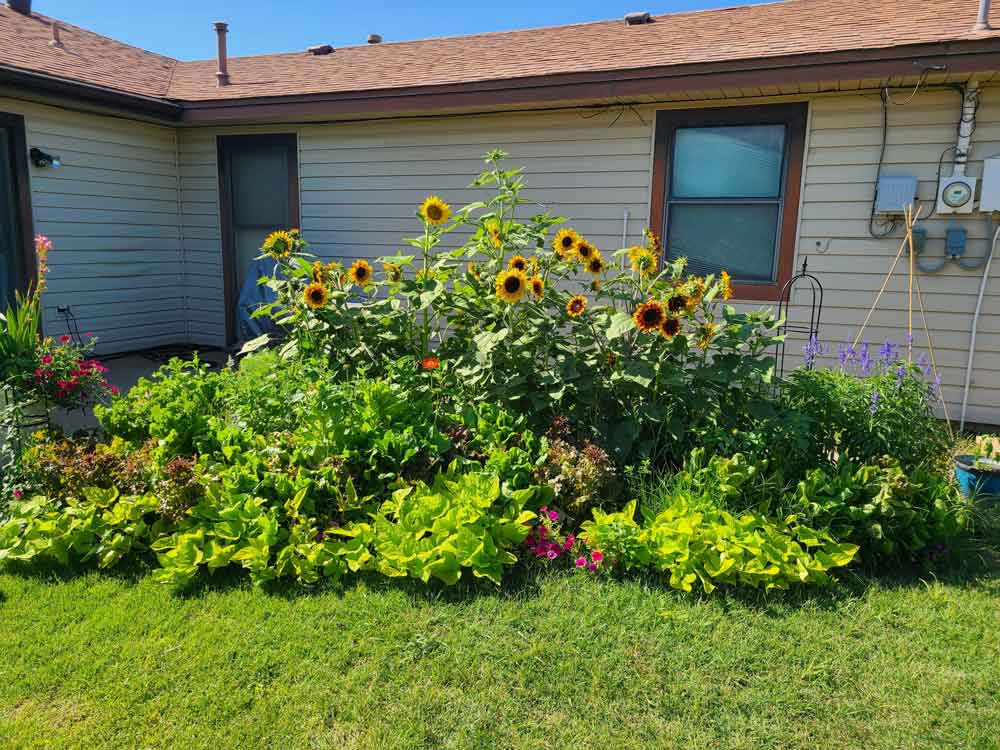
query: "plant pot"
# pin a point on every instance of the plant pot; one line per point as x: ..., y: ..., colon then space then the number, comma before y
x: 976, y: 481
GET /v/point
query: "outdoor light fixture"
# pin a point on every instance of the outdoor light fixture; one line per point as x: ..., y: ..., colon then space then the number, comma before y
x: 41, y: 159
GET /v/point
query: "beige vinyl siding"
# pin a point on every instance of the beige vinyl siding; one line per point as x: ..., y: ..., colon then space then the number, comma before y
x: 111, y: 210
x: 839, y: 183
x: 361, y: 183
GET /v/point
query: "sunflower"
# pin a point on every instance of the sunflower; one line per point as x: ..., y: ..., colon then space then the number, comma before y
x: 576, y: 306
x: 511, y: 285
x: 670, y: 327
x: 435, y: 211
x: 473, y: 270
x: 393, y: 272
x: 565, y: 243
x: 279, y: 244
x: 316, y: 295
x: 644, y: 261
x: 727, y: 285
x: 493, y: 227
x: 595, y: 266
x: 678, y: 302
x: 537, y: 287
x: 584, y: 251
x: 361, y: 272
x: 518, y: 263
x: 595, y: 285
x: 706, y: 336
x: 648, y: 316
x: 317, y: 271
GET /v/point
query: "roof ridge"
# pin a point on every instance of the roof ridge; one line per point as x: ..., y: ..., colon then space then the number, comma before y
x: 527, y: 29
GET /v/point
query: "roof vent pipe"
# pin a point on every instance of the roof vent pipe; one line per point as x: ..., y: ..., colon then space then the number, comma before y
x: 55, y: 41
x: 320, y: 49
x: 20, y: 6
x: 638, y: 18
x: 222, y: 77
x: 374, y: 38
x: 983, y: 21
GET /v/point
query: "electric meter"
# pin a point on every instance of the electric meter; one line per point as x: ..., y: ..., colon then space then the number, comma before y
x: 955, y: 194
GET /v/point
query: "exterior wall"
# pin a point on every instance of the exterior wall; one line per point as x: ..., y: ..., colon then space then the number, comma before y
x: 361, y: 183
x: 839, y: 178
x: 112, y: 212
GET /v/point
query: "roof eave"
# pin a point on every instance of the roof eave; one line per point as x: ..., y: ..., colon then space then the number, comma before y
x: 963, y: 56
x: 91, y: 94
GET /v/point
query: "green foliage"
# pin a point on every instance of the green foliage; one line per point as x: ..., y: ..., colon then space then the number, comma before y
x: 890, y: 513
x: 865, y: 418
x: 174, y: 408
x: 462, y: 521
x: 710, y: 546
x: 102, y: 525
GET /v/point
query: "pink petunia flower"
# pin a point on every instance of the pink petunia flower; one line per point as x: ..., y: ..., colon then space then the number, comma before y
x: 89, y: 335
x: 114, y: 390
x: 46, y: 359
x: 552, y: 554
x: 581, y: 561
x: 596, y: 556
x: 18, y: 494
x: 553, y: 516
x: 591, y: 567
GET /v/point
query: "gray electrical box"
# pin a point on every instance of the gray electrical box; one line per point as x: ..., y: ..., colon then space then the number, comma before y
x: 894, y: 194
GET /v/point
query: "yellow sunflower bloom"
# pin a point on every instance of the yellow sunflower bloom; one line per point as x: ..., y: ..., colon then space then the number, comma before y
x: 393, y: 272
x: 595, y: 265
x: 648, y: 316
x: 361, y: 272
x: 584, y: 251
x: 576, y: 306
x: 537, y: 287
x: 511, y: 285
x: 565, y: 243
x: 316, y: 296
x: 435, y: 211
x: 518, y: 263
x: 317, y: 271
x: 493, y: 227
x: 473, y: 271
x: 644, y: 261
x: 279, y: 244
x: 670, y: 327
x: 727, y: 285
x: 678, y: 302
x: 707, y: 333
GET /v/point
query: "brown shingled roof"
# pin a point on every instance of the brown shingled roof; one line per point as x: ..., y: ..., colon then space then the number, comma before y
x: 752, y: 32
x: 84, y: 56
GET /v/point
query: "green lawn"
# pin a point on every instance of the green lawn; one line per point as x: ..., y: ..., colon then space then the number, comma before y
x: 561, y: 660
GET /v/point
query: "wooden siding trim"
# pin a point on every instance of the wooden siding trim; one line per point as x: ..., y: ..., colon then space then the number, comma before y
x: 794, y: 115
x: 22, y: 196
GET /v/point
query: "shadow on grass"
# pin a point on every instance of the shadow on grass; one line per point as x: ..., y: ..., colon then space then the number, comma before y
x: 971, y: 562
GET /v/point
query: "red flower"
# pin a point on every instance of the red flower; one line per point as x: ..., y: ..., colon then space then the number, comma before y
x: 114, y: 390
x: 46, y: 359
x: 430, y: 363
x: 64, y: 339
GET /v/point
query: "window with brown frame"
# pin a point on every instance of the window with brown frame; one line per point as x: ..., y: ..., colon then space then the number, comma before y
x: 726, y: 191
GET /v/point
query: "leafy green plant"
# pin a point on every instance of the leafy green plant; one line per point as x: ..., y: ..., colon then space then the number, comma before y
x: 889, y: 512
x: 460, y: 521
x: 711, y: 547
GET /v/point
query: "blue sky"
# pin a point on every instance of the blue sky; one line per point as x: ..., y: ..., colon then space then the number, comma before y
x: 183, y: 28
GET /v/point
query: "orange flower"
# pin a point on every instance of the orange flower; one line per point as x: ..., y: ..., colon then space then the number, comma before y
x: 430, y: 363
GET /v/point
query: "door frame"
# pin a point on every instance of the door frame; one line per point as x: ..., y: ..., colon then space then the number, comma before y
x: 22, y: 196
x: 225, y: 145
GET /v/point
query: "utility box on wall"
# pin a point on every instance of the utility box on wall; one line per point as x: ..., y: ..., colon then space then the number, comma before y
x: 894, y: 194
x: 989, y: 197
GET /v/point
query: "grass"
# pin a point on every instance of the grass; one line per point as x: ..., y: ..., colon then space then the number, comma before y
x: 92, y: 659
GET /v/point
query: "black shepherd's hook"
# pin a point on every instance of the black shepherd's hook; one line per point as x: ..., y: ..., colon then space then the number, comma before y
x: 815, y: 313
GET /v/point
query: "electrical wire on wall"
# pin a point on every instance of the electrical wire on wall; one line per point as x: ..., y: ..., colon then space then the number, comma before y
x: 877, y: 227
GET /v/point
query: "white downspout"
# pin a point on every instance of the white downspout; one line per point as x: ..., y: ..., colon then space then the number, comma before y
x: 983, y: 21
x: 965, y: 128
x: 975, y: 326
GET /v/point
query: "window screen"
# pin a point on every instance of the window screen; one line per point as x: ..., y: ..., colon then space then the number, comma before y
x: 724, y: 201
